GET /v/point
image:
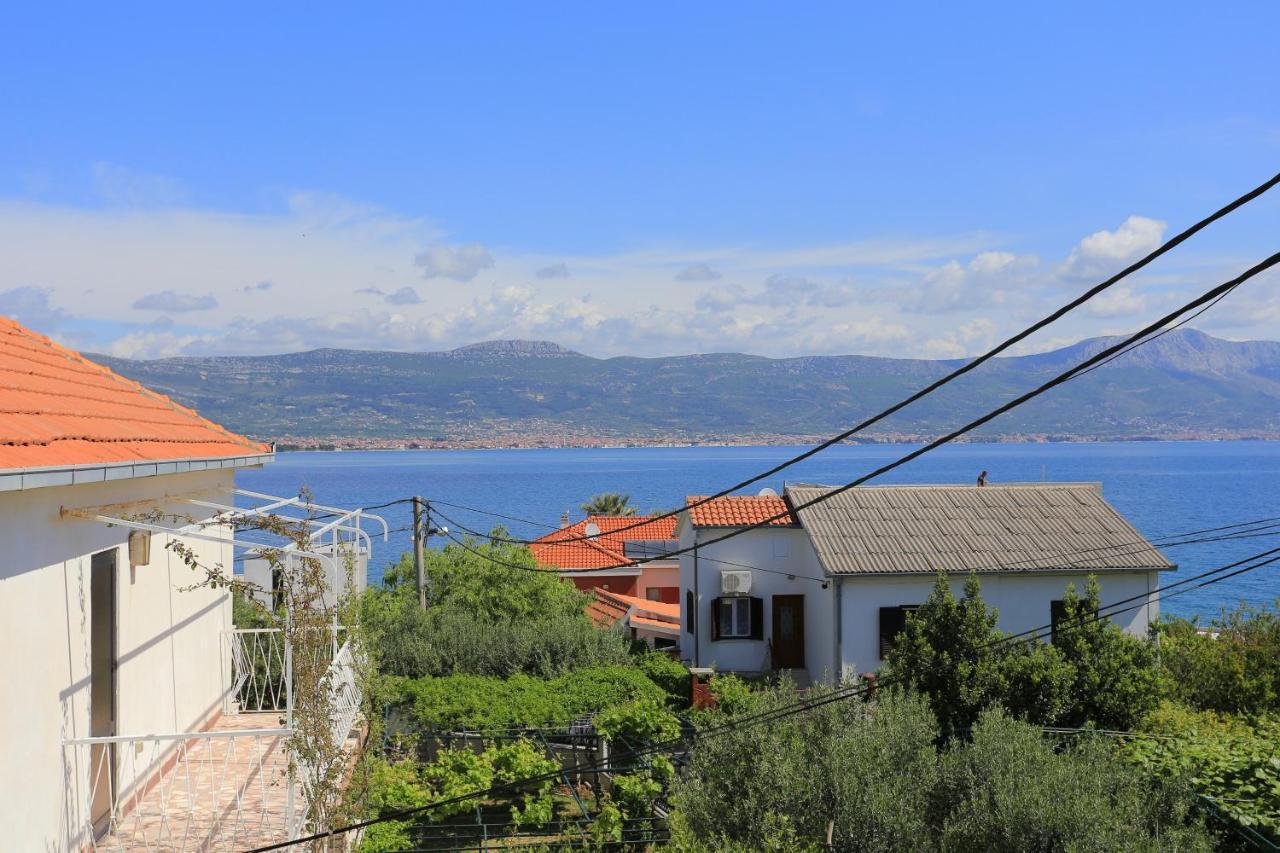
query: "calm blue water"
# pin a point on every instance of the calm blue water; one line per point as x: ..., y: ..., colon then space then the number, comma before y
x: 1162, y: 488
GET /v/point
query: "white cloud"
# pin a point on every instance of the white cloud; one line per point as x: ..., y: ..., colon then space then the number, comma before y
x: 118, y: 185
x: 403, y: 296
x: 175, y: 303
x: 1119, y: 301
x: 558, y: 270
x: 697, y: 272
x: 460, y: 263
x: 988, y: 278
x: 1104, y: 253
x: 30, y: 306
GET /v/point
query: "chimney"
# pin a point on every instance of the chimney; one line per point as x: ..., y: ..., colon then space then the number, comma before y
x: 564, y: 520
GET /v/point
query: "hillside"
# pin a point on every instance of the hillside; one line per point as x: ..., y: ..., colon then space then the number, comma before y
x: 1186, y: 383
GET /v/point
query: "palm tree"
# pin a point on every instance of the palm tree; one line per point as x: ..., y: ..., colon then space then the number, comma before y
x: 609, y: 503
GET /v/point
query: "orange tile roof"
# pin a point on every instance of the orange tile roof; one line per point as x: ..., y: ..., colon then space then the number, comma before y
x: 604, y: 611
x: 659, y: 608
x: 59, y: 408
x: 740, y: 511
x: 606, y: 549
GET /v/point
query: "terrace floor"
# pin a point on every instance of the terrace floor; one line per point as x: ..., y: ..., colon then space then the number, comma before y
x: 212, y: 794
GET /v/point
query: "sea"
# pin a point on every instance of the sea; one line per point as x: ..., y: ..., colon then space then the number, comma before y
x: 1163, y: 488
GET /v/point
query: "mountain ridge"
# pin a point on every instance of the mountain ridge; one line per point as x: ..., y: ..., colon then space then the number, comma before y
x: 1184, y: 383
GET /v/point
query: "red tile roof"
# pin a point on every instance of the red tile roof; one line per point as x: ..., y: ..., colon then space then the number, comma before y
x: 59, y: 408
x: 606, y: 549
x: 604, y: 610
x: 658, y: 608
x: 740, y: 511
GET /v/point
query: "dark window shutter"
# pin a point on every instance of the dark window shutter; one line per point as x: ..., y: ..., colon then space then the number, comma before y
x: 715, y: 619
x: 1057, y: 612
x: 690, y: 613
x: 757, y: 618
x: 892, y: 621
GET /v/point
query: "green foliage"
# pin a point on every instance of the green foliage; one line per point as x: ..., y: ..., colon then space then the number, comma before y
x: 475, y: 702
x: 1009, y: 789
x: 733, y: 695
x: 456, y: 772
x: 606, y: 829
x: 873, y: 774
x: 667, y: 673
x: 1236, y: 671
x: 639, y: 723
x: 387, y: 837
x: 1232, y: 761
x: 521, y: 759
x: 948, y: 651
x: 1094, y: 672
x: 483, y: 618
x: 1116, y: 681
x: 609, y: 503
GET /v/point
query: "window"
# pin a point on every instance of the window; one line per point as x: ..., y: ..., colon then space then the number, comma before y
x: 665, y: 594
x: 893, y: 620
x: 1057, y: 612
x: 737, y: 618
x: 690, y: 613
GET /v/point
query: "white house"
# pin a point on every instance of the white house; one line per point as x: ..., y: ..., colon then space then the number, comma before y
x: 824, y: 590
x: 121, y: 677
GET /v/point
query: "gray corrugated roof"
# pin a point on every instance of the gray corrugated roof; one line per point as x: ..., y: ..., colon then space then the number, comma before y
x: 994, y: 528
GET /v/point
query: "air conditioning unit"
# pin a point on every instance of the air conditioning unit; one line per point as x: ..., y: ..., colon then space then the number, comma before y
x: 735, y: 583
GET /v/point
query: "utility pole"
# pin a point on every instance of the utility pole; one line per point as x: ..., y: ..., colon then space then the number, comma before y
x: 419, y: 537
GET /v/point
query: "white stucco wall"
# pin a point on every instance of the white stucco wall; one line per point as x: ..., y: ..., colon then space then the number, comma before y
x: 169, y: 642
x: 1022, y: 601
x: 779, y: 551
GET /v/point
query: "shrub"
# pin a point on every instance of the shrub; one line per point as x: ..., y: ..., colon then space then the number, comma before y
x: 475, y: 702
x: 1236, y: 671
x: 637, y: 724
x: 871, y: 774
x: 952, y: 652
x: 483, y: 619
x: 669, y: 674
x: 733, y: 695
x: 1229, y: 760
x: 1116, y: 681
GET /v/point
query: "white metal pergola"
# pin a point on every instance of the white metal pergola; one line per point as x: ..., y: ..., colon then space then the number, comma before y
x: 331, y: 532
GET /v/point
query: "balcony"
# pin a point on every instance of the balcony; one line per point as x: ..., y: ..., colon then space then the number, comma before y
x: 231, y: 787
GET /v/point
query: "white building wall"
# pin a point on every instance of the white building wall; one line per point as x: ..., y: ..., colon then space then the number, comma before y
x: 775, y: 553
x: 1022, y: 601
x: 169, y: 642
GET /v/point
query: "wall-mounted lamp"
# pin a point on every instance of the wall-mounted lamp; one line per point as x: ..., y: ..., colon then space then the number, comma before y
x: 139, y: 548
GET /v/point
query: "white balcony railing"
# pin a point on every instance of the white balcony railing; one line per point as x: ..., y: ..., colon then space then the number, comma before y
x: 257, y: 669
x: 217, y: 790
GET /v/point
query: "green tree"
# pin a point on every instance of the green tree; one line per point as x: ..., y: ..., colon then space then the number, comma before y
x: 609, y: 503
x: 1116, y: 681
x: 952, y: 652
x: 1235, y: 668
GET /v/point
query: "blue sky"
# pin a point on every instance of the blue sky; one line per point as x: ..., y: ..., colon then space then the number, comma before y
x: 663, y: 178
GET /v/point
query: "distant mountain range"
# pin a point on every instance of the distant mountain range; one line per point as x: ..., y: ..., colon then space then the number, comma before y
x: 1185, y: 384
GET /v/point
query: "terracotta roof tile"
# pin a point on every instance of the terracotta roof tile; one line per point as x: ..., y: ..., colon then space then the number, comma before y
x: 740, y: 511
x: 59, y: 408
x: 607, y: 549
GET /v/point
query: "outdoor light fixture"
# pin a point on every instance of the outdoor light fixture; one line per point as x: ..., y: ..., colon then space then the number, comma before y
x: 139, y: 548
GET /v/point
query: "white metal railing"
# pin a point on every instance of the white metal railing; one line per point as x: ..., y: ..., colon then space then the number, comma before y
x: 218, y: 790
x: 258, y: 670
x: 344, y: 692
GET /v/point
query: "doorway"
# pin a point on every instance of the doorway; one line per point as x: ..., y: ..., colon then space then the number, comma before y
x: 102, y: 685
x: 788, y: 632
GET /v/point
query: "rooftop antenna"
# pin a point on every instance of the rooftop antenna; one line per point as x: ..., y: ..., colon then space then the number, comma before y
x: 592, y: 530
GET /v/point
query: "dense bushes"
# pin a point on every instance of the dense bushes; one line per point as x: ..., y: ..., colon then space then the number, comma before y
x: 952, y: 652
x: 1233, y: 762
x: 669, y: 674
x: 484, y: 619
x: 872, y: 776
x: 398, y: 785
x: 477, y: 703
x: 1236, y: 669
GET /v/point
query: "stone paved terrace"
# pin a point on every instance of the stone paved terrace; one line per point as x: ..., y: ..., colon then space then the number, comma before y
x: 213, y: 794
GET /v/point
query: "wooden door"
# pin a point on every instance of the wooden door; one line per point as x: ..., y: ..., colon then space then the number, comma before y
x: 788, y: 632
x: 102, y: 685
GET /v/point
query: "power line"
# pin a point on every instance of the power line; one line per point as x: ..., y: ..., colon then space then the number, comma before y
x: 1169, y: 245
x: 1208, y: 296
x: 1061, y: 378
x: 1205, y: 579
